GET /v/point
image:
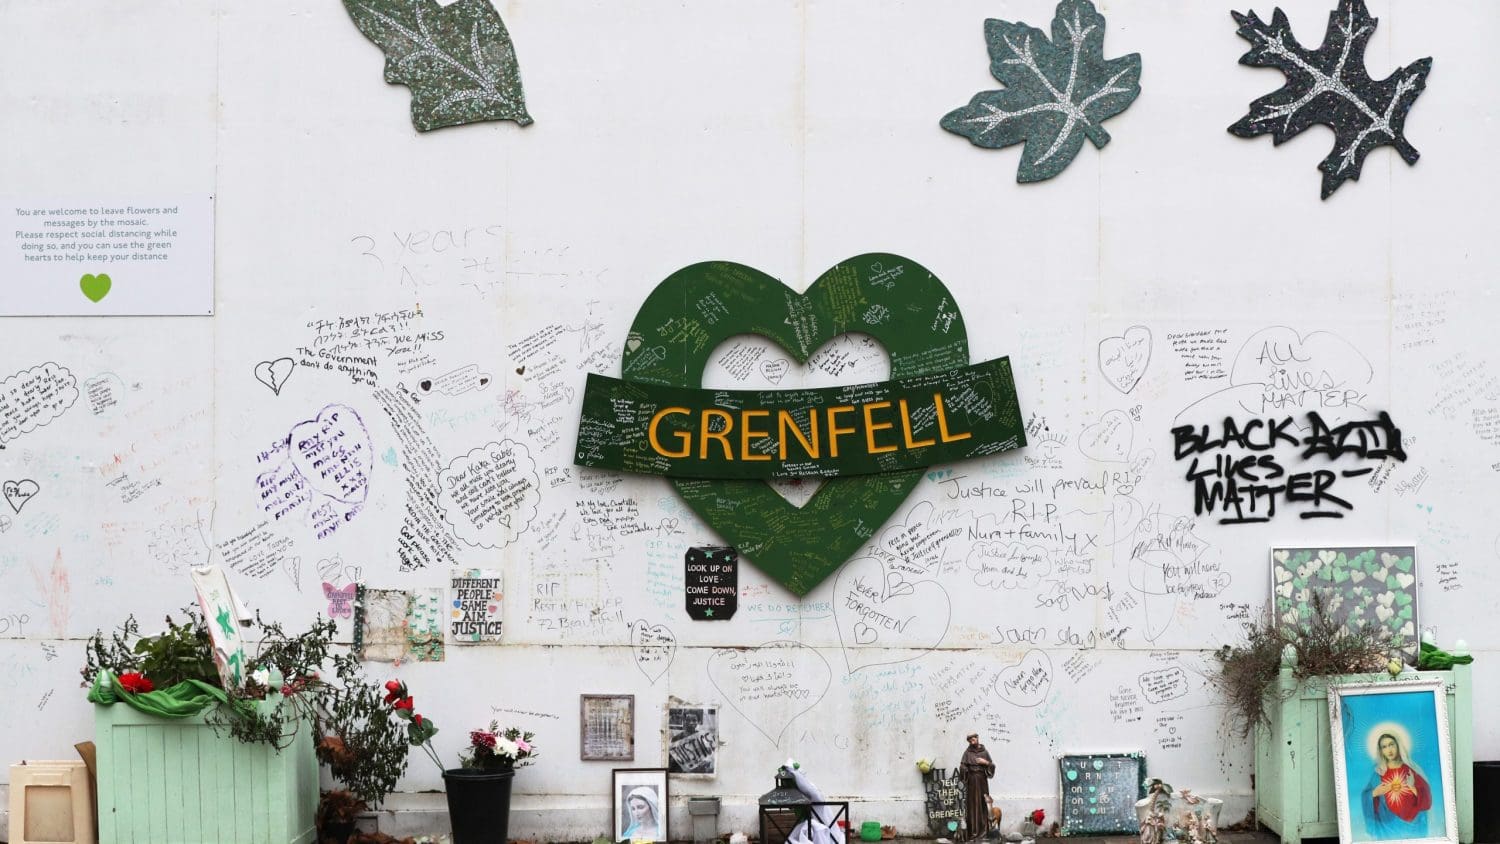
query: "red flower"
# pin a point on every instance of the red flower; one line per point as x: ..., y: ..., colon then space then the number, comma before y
x: 404, y: 703
x: 394, y: 691
x: 1038, y: 816
x: 416, y: 719
x: 480, y: 738
x: 135, y: 682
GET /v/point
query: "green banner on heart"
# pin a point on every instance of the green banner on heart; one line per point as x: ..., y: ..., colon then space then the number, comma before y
x: 890, y: 298
x: 861, y: 429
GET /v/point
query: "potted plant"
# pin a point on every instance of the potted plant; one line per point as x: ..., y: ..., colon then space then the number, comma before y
x: 479, y: 789
x: 1275, y: 684
x: 164, y: 692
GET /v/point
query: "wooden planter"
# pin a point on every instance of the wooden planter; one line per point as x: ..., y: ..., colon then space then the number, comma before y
x: 167, y: 781
x: 1294, y: 793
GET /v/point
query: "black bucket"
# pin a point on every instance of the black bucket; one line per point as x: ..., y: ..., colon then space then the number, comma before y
x: 1487, y: 801
x: 479, y: 804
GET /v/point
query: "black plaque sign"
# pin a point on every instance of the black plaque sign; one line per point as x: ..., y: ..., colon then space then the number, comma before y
x: 711, y: 583
x: 945, y: 802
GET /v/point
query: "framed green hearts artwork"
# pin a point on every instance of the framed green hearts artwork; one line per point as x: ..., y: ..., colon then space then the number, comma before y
x: 868, y: 443
x: 1363, y: 586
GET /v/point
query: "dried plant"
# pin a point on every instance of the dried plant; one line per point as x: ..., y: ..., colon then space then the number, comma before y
x: 1324, y: 646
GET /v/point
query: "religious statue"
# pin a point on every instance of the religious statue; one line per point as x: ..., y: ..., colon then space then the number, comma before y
x: 976, y: 769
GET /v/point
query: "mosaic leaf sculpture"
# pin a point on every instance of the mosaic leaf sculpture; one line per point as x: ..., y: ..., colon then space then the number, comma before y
x: 1057, y: 92
x: 458, y: 61
x: 1330, y: 85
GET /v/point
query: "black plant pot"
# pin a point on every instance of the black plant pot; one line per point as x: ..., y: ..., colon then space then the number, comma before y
x: 337, y: 831
x: 478, y: 804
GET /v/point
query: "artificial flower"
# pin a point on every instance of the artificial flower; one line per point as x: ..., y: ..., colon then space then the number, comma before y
x: 394, y: 690
x: 136, y: 683
x: 1038, y: 816
x: 404, y: 704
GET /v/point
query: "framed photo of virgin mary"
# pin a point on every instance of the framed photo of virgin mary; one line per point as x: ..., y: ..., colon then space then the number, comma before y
x: 1392, y: 762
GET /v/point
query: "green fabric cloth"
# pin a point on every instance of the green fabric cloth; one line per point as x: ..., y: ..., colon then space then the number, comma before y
x: 183, y: 700
x: 1433, y: 658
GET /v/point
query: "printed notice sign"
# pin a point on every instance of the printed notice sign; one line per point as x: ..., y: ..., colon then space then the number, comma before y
x: 130, y: 256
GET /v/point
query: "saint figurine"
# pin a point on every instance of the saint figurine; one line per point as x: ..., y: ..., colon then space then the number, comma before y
x: 976, y: 769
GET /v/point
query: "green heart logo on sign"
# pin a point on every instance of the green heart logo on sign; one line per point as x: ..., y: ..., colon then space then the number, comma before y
x: 893, y: 299
x: 95, y: 287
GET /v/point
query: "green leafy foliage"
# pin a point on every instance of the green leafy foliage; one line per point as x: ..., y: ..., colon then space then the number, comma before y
x: 183, y: 652
x: 364, y: 744
x: 458, y: 61
x: 1057, y: 92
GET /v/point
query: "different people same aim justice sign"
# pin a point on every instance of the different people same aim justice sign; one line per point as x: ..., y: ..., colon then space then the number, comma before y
x: 869, y: 443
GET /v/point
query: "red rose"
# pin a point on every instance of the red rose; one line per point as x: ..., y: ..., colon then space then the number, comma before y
x: 404, y: 703
x: 416, y: 719
x: 392, y: 685
x: 1038, y: 816
x: 136, y: 683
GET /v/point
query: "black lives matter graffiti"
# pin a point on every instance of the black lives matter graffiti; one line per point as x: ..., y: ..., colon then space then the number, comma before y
x: 1236, y: 475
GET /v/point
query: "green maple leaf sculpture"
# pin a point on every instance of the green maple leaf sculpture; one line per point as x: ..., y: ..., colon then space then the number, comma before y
x: 1330, y: 85
x: 1056, y: 93
x: 458, y: 61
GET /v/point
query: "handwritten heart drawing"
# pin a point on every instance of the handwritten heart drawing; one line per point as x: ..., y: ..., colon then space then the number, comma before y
x: 273, y: 373
x: 95, y: 287
x: 333, y: 452
x: 1026, y: 683
x: 653, y: 646
x: 797, y: 547
x: 1109, y: 440
x: 877, y: 610
x: 17, y: 493
x: 772, y: 685
x: 774, y: 370
x: 1123, y: 359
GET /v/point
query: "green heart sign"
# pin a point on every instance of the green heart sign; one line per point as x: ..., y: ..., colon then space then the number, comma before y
x: 893, y: 299
x: 95, y: 287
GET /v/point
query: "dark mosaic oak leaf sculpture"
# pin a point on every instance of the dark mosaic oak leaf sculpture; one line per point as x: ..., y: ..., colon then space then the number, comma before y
x: 1056, y: 92
x: 1330, y: 85
x: 458, y: 61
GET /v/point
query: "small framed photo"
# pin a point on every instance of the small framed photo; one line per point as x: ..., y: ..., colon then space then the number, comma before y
x: 692, y: 739
x: 606, y: 728
x: 640, y: 804
x: 1392, y: 762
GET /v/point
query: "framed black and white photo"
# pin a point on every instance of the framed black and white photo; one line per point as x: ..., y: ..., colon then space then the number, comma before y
x: 639, y: 799
x: 606, y: 728
x: 692, y: 739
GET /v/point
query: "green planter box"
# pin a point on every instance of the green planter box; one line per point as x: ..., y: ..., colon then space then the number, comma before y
x: 177, y: 782
x: 1294, y: 793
